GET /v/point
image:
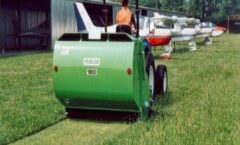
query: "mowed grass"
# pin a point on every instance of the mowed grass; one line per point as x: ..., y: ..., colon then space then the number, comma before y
x: 202, y: 106
x: 27, y: 101
x: 76, y: 132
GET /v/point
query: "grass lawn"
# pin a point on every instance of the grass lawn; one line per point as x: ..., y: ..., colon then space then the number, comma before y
x: 27, y: 102
x: 76, y: 132
x: 202, y: 107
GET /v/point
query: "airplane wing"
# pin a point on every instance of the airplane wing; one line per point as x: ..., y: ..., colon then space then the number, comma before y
x: 162, y: 20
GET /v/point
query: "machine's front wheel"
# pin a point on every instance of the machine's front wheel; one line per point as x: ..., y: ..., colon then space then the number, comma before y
x: 150, y: 69
x: 161, y: 81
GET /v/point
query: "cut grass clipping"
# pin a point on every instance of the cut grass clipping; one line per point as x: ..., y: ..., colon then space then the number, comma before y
x: 202, y: 106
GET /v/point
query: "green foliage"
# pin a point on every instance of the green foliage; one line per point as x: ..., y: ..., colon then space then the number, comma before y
x: 206, y: 9
x: 148, y: 3
x: 176, y: 5
x: 224, y: 8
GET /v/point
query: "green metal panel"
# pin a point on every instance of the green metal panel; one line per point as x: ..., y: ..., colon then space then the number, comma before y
x: 111, y: 88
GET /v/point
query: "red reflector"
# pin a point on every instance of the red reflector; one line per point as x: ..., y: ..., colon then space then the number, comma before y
x: 55, y: 68
x: 129, y: 71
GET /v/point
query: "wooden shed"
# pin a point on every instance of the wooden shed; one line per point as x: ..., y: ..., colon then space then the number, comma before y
x: 234, y: 23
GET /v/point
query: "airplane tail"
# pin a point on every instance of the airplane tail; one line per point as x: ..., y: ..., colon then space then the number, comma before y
x: 84, y: 21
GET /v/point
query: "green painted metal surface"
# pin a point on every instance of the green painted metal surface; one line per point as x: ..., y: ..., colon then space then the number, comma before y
x: 94, y: 74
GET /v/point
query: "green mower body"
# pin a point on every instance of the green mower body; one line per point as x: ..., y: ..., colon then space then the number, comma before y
x: 105, y: 74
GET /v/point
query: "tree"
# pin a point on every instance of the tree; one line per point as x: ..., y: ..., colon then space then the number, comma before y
x: 176, y: 5
x: 225, y: 8
x: 148, y: 3
x: 216, y: 10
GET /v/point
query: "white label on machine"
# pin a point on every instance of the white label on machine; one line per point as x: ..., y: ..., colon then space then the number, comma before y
x: 91, y: 62
x: 94, y: 34
x: 91, y: 72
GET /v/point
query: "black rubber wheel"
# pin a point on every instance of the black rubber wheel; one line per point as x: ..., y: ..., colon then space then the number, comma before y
x: 150, y: 69
x: 161, y: 80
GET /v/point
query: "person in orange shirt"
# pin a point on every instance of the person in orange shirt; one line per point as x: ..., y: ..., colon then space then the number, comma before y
x: 125, y: 16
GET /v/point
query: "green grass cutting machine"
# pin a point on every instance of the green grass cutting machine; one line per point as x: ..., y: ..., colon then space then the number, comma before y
x: 115, y: 72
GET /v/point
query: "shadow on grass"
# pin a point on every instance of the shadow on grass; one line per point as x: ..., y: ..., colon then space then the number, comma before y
x: 126, y: 117
x: 181, y: 50
x: 102, y: 116
x: 160, y: 114
x: 123, y: 117
x: 166, y: 100
x: 163, y: 102
x: 200, y: 43
x: 22, y: 53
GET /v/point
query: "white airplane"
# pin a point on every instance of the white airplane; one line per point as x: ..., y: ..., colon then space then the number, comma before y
x: 181, y: 32
x: 147, y: 28
x: 158, y: 36
x: 209, y: 30
x: 218, y: 31
x: 205, y: 32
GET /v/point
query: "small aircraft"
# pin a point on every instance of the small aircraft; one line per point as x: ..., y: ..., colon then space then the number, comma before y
x: 180, y: 29
x: 205, y: 32
x: 155, y: 37
x: 216, y: 30
x: 208, y: 30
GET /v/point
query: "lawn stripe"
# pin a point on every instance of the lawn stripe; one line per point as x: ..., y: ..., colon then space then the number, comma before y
x: 72, y: 132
